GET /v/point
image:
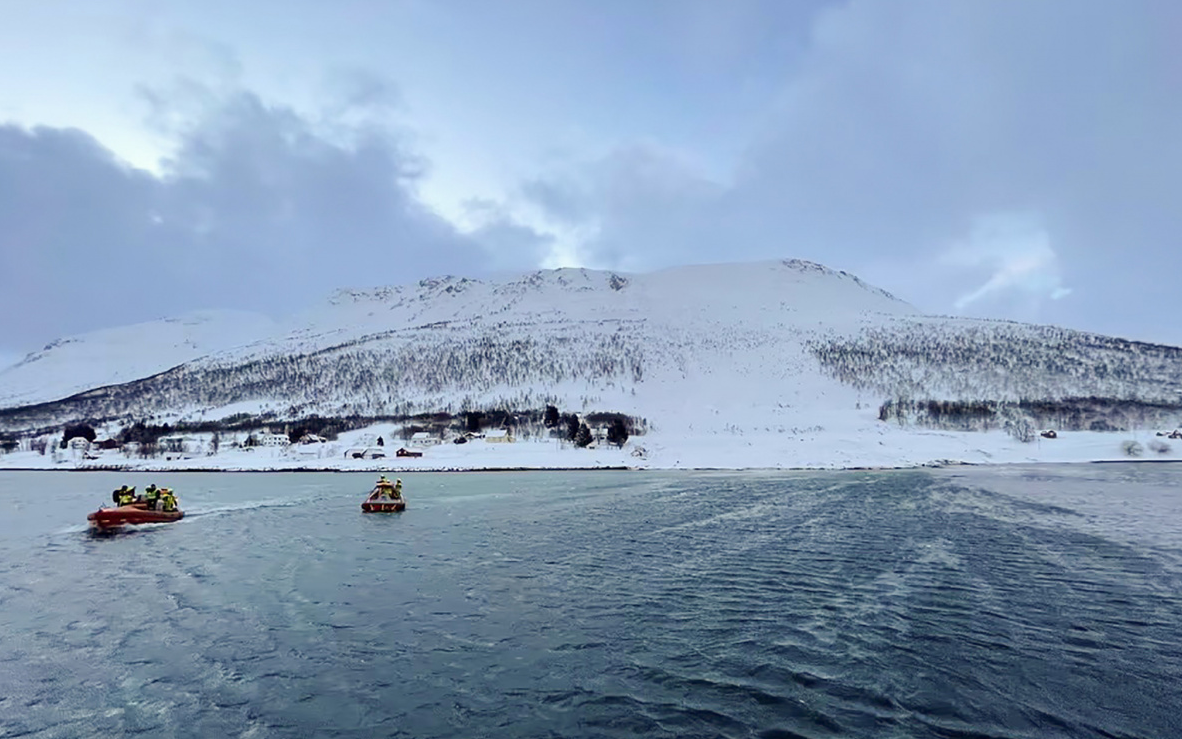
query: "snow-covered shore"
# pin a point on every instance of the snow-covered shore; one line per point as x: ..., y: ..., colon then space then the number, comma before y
x: 879, y: 446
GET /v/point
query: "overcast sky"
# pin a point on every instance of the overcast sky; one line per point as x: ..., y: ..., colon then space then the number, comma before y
x: 1014, y: 160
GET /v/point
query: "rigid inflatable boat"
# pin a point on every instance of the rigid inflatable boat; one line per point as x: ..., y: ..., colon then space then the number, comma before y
x: 131, y: 515
x: 386, y: 497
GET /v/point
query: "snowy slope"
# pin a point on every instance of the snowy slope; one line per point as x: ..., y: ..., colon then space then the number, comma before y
x: 659, y: 345
x: 751, y: 294
x: 117, y: 355
x: 714, y: 356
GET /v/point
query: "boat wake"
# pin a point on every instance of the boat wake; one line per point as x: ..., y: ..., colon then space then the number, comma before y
x: 191, y: 513
x: 250, y: 505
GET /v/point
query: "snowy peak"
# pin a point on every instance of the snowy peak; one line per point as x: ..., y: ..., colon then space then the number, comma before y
x: 806, y: 267
x: 775, y: 277
x: 733, y: 290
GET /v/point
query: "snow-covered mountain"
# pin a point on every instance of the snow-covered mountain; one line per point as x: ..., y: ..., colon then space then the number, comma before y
x: 787, y: 346
x: 116, y: 355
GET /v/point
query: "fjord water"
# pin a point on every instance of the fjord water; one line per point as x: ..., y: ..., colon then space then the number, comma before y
x: 1021, y: 602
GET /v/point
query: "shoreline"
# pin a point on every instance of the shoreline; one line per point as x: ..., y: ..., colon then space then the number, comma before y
x: 604, y: 468
x: 859, y: 448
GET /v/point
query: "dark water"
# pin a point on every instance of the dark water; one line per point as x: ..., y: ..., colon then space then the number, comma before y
x: 1010, y: 603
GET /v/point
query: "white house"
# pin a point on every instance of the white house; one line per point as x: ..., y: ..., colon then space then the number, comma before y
x: 498, y: 436
x: 307, y: 451
x: 424, y: 438
x: 267, y: 439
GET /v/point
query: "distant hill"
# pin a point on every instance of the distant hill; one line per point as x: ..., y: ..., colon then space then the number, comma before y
x: 116, y: 355
x: 704, y: 349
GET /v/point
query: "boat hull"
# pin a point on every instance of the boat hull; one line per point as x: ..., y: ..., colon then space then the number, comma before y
x: 383, y: 506
x: 130, y: 515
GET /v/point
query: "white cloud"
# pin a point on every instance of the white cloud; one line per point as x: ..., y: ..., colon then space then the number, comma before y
x: 1016, y: 250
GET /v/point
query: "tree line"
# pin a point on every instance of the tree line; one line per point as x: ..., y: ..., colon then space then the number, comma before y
x: 573, y: 428
x: 403, y: 373
x: 1022, y: 416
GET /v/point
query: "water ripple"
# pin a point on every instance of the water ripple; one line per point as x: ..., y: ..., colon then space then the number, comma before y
x: 905, y: 604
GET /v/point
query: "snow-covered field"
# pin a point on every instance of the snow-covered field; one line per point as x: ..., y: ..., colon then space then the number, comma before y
x: 880, y: 445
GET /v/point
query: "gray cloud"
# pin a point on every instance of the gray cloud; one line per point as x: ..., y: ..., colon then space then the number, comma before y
x: 361, y: 88
x: 259, y: 208
x: 509, y: 244
x: 646, y: 206
x: 1004, y: 159
x: 907, y: 126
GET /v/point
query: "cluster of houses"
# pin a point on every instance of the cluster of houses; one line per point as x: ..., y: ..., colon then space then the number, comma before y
x: 422, y: 440
x: 492, y: 436
x: 374, y: 447
x: 185, y: 446
x: 181, y: 446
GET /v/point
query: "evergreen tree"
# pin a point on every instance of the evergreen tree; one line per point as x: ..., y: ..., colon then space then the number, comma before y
x: 80, y: 429
x: 473, y: 422
x: 572, y: 427
x: 583, y: 437
x: 550, y: 419
x: 617, y: 433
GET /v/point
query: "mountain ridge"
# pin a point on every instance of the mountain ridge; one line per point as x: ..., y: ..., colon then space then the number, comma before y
x: 703, y: 349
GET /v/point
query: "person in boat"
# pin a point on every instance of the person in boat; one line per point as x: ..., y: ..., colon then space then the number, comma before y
x: 116, y: 493
x: 168, y: 500
x: 151, y: 495
x: 126, y: 495
x: 395, y: 493
x: 381, y: 489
